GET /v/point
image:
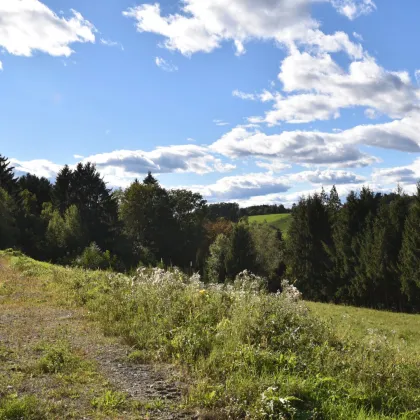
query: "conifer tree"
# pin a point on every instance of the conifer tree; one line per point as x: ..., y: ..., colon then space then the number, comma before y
x: 410, y: 254
x: 7, y: 177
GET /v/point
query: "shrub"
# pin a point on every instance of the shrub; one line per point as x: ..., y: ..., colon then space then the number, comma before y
x: 94, y: 259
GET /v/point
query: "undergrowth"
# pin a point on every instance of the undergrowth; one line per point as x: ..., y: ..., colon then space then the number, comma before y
x: 250, y: 354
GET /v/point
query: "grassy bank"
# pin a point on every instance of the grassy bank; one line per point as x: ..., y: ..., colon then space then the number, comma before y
x: 280, y: 221
x: 248, y: 353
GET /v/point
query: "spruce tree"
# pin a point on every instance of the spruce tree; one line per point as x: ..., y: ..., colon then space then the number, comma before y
x: 7, y: 177
x: 410, y: 254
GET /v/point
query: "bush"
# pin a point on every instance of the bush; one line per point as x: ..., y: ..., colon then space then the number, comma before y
x: 94, y: 259
x: 249, y: 351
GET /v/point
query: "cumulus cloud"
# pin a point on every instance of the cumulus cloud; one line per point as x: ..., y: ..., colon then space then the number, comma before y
x: 417, y: 76
x: 266, y: 188
x: 29, y: 25
x: 183, y: 158
x: 38, y: 167
x: 243, y: 186
x: 322, y: 148
x: 300, y: 147
x: 165, y: 65
x: 318, y: 88
x: 203, y: 25
x: 273, y: 165
x: 354, y: 8
x: 328, y: 177
x: 405, y: 175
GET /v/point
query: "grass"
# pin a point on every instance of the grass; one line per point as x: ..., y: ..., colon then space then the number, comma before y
x: 247, y: 353
x: 280, y: 221
x: 401, y: 330
x: 45, y: 368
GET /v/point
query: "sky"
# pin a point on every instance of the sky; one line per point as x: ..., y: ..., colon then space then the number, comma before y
x: 258, y: 102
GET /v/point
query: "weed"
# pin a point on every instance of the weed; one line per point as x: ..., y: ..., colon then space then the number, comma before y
x: 13, y: 407
x: 109, y: 401
x: 58, y: 358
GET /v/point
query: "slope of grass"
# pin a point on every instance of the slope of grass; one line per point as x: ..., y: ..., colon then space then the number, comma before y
x: 401, y: 330
x: 280, y: 221
x: 251, y: 354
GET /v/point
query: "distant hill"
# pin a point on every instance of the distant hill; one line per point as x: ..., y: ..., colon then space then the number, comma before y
x: 280, y: 221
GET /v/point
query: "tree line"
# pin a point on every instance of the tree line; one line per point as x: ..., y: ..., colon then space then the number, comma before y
x: 78, y: 220
x: 363, y: 252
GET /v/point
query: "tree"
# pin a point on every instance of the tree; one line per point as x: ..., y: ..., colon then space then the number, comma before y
x: 269, y: 253
x: 229, y: 211
x: 8, y: 228
x: 410, y: 254
x: 148, y: 221
x: 150, y: 180
x: 41, y: 188
x: 241, y: 254
x: 188, y: 211
x: 7, y: 177
x: 308, y: 237
x: 98, y: 209
x: 217, y: 260
x: 65, y: 235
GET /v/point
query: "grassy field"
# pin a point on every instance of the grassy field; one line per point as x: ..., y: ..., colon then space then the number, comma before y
x: 280, y: 221
x: 244, y: 353
x: 400, y: 330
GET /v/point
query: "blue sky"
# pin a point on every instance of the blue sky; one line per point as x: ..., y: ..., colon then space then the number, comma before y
x: 257, y: 102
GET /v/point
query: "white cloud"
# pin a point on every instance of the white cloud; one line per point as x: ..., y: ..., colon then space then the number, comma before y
x: 264, y: 187
x: 328, y: 177
x: 203, y: 25
x: 1, y: 66
x: 405, y: 175
x: 220, y: 123
x: 300, y: 147
x: 417, y: 76
x: 319, y: 88
x: 121, y: 167
x: 338, y: 149
x: 273, y: 165
x: 183, y: 158
x: 109, y: 43
x: 29, y: 25
x: 372, y: 114
x: 358, y: 36
x: 354, y: 8
x: 243, y: 186
x: 38, y: 167
x: 165, y: 65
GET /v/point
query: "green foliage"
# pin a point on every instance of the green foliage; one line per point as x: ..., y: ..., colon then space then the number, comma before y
x: 216, y: 262
x: 269, y: 253
x: 8, y: 228
x: 109, y: 401
x: 250, y: 352
x: 7, y: 178
x: 410, y: 253
x: 64, y: 235
x: 13, y: 407
x: 309, y: 234
x: 57, y: 358
x: 241, y: 253
x: 93, y: 258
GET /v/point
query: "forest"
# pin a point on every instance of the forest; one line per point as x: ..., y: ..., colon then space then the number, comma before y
x: 363, y: 251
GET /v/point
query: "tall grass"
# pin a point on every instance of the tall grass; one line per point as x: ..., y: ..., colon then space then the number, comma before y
x: 249, y: 353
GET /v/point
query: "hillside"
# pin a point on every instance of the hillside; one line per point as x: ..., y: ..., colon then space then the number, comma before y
x: 280, y: 221
x: 89, y: 336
